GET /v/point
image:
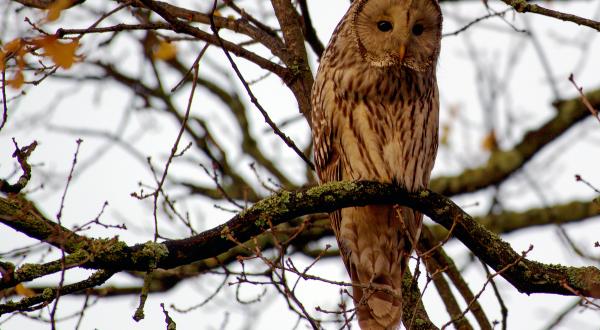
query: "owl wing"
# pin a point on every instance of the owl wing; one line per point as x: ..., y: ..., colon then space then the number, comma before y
x: 327, y: 151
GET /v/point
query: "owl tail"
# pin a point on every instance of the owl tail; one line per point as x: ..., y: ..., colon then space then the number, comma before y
x: 380, y: 306
x: 377, y: 289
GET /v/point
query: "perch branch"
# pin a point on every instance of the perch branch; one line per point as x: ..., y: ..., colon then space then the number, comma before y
x: 523, y: 6
x: 526, y: 275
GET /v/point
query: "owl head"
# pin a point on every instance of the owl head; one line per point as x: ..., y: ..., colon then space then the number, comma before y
x: 397, y: 32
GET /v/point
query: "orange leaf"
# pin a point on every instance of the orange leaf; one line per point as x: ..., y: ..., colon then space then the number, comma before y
x: 165, y: 51
x: 17, y: 80
x: 62, y: 54
x: 24, y: 291
x: 44, y: 40
x: 490, y: 143
x: 56, y: 8
x: 20, y: 58
x: 13, y: 46
x: 13, y: 49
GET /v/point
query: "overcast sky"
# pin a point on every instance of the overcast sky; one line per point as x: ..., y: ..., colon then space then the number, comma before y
x: 115, y: 174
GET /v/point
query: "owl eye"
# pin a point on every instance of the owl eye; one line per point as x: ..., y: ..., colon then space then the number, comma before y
x: 418, y: 29
x: 384, y: 26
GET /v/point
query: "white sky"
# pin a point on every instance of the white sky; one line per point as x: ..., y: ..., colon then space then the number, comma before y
x: 116, y: 174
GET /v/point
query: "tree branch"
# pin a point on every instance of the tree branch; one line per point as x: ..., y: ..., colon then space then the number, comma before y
x: 502, y: 164
x: 289, y: 21
x: 414, y: 315
x: 270, y: 41
x: 48, y: 295
x: 181, y: 27
x: 527, y: 276
x: 523, y: 6
x: 309, y: 30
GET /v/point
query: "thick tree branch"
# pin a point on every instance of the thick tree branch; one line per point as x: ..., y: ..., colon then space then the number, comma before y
x: 501, y: 223
x: 289, y: 21
x: 317, y: 227
x: 502, y: 164
x: 182, y: 27
x: 48, y: 295
x: 509, y: 221
x: 22, y: 216
x: 414, y: 315
x: 527, y: 276
x: 274, y: 44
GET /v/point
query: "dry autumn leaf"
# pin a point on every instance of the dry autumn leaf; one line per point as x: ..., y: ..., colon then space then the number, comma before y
x: 490, y: 143
x: 56, y: 8
x: 9, y: 49
x: 17, y: 80
x: 13, y: 46
x: 165, y: 51
x: 24, y: 291
x: 62, y: 54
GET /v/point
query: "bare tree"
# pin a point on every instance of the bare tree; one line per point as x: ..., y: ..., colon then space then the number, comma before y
x: 100, y: 96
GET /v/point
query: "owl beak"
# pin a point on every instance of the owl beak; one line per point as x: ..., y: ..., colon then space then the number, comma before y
x: 401, y: 52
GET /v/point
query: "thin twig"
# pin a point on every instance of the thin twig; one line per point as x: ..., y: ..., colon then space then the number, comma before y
x: 475, y: 21
x: 69, y: 178
x: 489, y: 279
x: 579, y: 178
x: 503, y: 308
x: 63, y: 264
x: 22, y: 154
x: 4, y: 100
x: 577, y: 293
x: 584, y: 98
x: 174, y: 151
x: 194, y: 65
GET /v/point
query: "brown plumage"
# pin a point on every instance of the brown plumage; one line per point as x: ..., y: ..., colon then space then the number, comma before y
x: 375, y: 117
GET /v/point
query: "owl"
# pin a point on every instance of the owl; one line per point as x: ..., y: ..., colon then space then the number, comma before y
x: 375, y: 117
